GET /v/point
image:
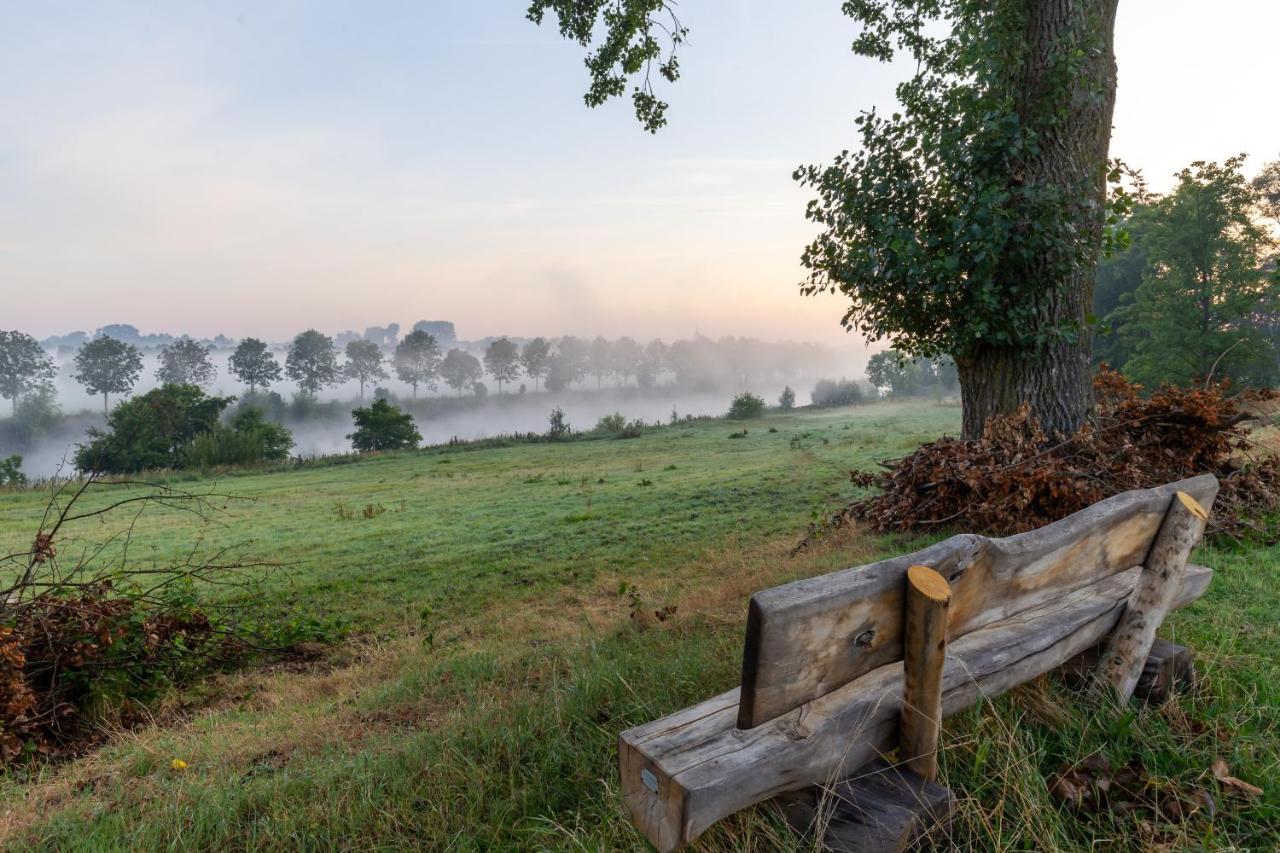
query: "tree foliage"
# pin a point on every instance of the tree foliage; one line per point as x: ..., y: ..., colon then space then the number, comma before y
x: 150, y: 431
x: 364, y: 363
x: 1206, y: 297
x: 185, y: 362
x: 638, y: 40
x: 254, y: 365
x: 417, y: 360
x: 460, y: 369
x: 534, y: 357
x: 502, y: 360
x: 312, y: 362
x: 107, y: 366
x: 382, y: 426
x: 746, y: 406
x: 24, y: 366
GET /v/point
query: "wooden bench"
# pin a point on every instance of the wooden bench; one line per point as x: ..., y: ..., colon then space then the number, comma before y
x: 823, y: 665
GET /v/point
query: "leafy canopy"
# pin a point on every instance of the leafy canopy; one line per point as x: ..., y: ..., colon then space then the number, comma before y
x: 382, y: 426
x: 185, y: 362
x: 1206, y: 294
x: 107, y: 366
x: 254, y: 365
x: 24, y: 365
x: 312, y: 361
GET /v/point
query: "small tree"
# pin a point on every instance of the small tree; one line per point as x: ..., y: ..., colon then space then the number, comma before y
x: 107, y: 366
x: 557, y: 425
x: 746, y: 406
x: 600, y: 359
x: 312, y: 362
x: 627, y: 358
x: 364, y: 363
x: 787, y: 401
x: 185, y: 362
x: 24, y: 366
x: 382, y: 426
x: 460, y: 369
x: 534, y: 358
x: 417, y: 360
x: 502, y: 360
x: 575, y: 354
x: 11, y: 471
x: 254, y: 365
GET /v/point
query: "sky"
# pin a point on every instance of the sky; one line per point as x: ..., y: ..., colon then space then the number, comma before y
x: 259, y: 168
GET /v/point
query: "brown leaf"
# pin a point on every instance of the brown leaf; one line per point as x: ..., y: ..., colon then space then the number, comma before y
x: 1223, y: 774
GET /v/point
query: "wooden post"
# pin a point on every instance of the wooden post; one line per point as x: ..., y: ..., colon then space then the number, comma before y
x: 924, y: 650
x: 1129, y: 645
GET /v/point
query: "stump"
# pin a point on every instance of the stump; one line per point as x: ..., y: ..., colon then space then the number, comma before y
x: 882, y: 808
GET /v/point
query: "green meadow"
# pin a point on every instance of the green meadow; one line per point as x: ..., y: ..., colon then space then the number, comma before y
x: 493, y: 617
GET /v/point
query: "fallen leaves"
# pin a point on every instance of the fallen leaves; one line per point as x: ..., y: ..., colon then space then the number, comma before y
x: 1222, y: 773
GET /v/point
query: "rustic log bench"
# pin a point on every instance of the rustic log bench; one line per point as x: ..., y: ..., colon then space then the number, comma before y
x: 824, y: 676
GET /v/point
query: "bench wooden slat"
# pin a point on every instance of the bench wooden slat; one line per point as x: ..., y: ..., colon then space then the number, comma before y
x: 808, y: 638
x: 683, y: 773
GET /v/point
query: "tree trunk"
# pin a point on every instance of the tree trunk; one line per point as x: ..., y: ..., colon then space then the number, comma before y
x: 105, y: 410
x: 1053, y: 378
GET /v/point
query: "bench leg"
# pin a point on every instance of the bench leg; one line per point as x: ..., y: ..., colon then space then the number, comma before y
x: 1169, y: 668
x: 880, y: 809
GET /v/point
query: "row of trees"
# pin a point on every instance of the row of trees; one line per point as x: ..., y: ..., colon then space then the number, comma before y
x: 109, y: 367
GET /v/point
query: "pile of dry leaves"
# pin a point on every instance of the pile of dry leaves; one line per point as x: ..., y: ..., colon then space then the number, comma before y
x: 1016, y: 478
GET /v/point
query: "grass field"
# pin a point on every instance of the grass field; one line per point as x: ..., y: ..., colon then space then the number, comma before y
x: 493, y: 657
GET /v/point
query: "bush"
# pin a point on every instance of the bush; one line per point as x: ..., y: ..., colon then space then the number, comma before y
x: 557, y: 426
x: 827, y: 393
x: 152, y: 430
x: 746, y: 406
x: 616, y: 422
x: 250, y: 439
x: 787, y: 401
x: 382, y: 426
x: 11, y: 471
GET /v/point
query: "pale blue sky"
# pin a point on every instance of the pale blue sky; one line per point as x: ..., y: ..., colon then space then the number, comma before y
x: 256, y: 168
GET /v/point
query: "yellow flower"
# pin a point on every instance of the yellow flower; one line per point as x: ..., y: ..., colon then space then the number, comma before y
x: 178, y: 764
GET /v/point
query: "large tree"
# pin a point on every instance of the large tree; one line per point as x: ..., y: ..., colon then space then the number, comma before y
x: 185, y: 362
x: 107, y: 366
x: 1206, y: 291
x: 502, y: 360
x: 460, y: 369
x: 312, y: 362
x: 417, y: 360
x: 24, y: 366
x: 534, y: 357
x: 970, y: 221
x: 254, y: 365
x: 364, y: 363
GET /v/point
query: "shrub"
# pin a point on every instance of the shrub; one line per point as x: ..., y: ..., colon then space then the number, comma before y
x: 746, y: 406
x: 787, y: 401
x: 382, y: 426
x: 557, y: 426
x: 151, y: 430
x: 828, y: 393
x: 11, y: 471
x: 250, y: 439
x: 616, y: 422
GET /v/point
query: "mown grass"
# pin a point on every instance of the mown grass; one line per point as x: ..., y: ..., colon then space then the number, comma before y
x: 495, y: 659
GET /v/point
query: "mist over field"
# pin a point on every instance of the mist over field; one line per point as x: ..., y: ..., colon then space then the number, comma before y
x: 442, y: 415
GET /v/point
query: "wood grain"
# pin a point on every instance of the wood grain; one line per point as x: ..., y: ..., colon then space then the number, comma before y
x: 808, y: 638
x: 682, y: 773
x: 924, y: 650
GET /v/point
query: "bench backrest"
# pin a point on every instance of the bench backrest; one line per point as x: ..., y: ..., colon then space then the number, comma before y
x: 808, y: 638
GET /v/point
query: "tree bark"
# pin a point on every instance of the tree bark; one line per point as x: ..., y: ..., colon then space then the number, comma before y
x: 1071, y: 159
